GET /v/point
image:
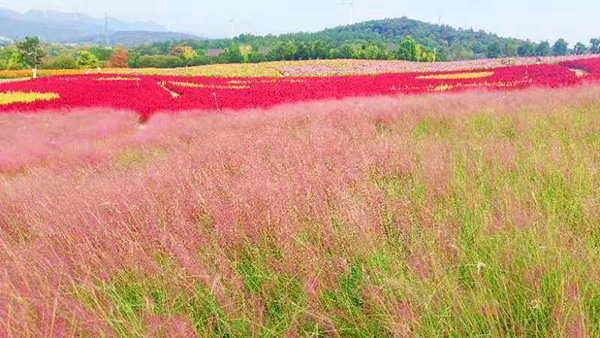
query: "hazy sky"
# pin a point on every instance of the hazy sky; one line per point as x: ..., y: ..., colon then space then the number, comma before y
x: 575, y: 20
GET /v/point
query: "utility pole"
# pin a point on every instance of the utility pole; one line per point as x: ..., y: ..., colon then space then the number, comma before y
x: 350, y: 4
x: 232, y: 33
x: 106, y: 29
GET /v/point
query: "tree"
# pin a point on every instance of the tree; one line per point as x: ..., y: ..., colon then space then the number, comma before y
x: 158, y: 61
x: 580, y: 48
x: 16, y: 62
x: 64, y: 61
x: 543, y: 49
x: 408, y: 50
x: 282, y: 51
x: 86, y: 60
x: 345, y: 52
x: 185, y: 53
x: 304, y: 51
x: 494, y: 50
x: 256, y: 57
x: 233, y: 54
x: 526, y: 49
x: 31, y: 52
x: 560, y: 48
x: 102, y: 53
x: 595, y: 46
x: 320, y: 50
x: 120, y: 58
x: 510, y: 49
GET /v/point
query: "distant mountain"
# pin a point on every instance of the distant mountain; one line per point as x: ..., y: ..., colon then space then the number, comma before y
x: 136, y: 38
x: 53, y: 26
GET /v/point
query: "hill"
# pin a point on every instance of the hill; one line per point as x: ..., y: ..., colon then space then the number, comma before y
x: 451, y: 43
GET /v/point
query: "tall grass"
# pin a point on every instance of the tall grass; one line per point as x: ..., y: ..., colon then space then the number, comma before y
x: 463, y: 215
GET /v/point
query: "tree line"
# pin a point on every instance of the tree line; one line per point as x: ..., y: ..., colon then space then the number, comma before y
x: 31, y: 53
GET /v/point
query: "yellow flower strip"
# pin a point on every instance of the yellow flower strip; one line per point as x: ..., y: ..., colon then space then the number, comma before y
x: 118, y: 78
x: 200, y: 85
x: 456, y: 76
x: 8, y: 98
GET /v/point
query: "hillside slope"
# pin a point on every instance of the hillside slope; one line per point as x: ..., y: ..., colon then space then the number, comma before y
x: 452, y: 43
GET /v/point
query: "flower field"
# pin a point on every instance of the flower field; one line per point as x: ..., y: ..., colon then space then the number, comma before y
x: 148, y: 94
x: 308, y: 68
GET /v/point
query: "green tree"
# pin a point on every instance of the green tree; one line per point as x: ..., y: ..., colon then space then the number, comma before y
x: 304, y: 51
x: 580, y: 48
x: 283, y: 51
x: 31, y: 52
x: 543, y: 49
x: 158, y: 61
x: 5, y: 55
x: 494, y: 50
x: 233, y: 54
x: 16, y: 62
x: 560, y: 48
x: 595, y: 45
x: 102, y: 53
x: 407, y: 50
x: 510, y: 49
x: 256, y: 57
x: 345, y: 52
x: 64, y: 61
x: 86, y: 60
x: 526, y: 49
x: 320, y: 50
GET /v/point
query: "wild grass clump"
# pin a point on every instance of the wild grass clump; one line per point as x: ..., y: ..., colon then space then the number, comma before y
x: 463, y: 215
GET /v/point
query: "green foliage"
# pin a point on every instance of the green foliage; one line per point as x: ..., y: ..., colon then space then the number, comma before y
x: 283, y: 51
x: 11, y: 59
x: 233, y: 54
x: 580, y: 48
x: 101, y: 53
x: 158, y: 61
x: 30, y: 51
x: 560, y: 47
x: 256, y: 57
x: 494, y: 50
x: 526, y: 49
x: 16, y: 62
x: 86, y: 60
x: 408, y: 50
x: 543, y: 49
x: 595, y: 46
x: 64, y: 61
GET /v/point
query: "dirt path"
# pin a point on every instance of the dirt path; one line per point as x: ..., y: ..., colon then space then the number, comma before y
x: 579, y: 72
x: 163, y: 86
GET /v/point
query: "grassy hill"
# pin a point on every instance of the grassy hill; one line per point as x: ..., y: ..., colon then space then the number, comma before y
x: 451, y: 43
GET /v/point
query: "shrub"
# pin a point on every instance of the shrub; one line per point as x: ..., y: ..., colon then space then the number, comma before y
x: 85, y: 59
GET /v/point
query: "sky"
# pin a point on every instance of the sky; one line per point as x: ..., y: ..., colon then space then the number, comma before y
x: 575, y: 20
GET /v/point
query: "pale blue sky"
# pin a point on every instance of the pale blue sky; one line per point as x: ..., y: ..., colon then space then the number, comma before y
x: 576, y: 20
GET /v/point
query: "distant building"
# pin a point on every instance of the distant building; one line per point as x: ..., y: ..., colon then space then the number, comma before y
x: 4, y: 41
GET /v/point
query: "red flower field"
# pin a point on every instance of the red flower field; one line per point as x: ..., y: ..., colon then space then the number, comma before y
x: 149, y: 94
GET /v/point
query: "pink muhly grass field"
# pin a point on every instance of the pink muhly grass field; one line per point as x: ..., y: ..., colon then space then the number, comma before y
x: 446, y: 215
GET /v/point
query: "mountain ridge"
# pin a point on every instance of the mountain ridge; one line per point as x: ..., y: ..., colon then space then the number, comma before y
x: 61, y: 27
